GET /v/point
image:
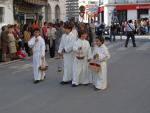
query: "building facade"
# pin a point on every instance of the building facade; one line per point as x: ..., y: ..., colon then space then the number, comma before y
x: 55, y: 11
x: 26, y: 11
x: 6, y: 12
x: 72, y: 9
x: 126, y: 9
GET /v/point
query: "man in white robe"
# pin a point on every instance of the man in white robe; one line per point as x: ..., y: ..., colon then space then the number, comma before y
x: 80, y: 66
x: 66, y: 48
x: 38, y: 47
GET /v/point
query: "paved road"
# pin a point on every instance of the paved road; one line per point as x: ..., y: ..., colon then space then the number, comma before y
x: 128, y: 86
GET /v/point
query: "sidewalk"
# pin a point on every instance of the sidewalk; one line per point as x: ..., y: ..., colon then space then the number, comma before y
x: 5, y: 63
x: 136, y: 36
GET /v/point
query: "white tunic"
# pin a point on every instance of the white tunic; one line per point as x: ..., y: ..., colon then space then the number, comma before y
x: 67, y: 42
x: 38, y: 52
x: 100, y: 78
x: 74, y: 32
x: 80, y: 67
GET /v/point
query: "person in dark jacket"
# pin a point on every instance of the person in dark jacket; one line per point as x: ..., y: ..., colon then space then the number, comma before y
x: 4, y: 43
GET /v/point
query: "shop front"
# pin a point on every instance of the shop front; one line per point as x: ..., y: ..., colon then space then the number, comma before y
x: 124, y: 12
x: 26, y: 11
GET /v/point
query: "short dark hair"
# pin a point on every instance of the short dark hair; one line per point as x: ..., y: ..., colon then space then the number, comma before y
x: 45, y: 23
x: 3, y: 28
x: 50, y: 24
x: 101, y: 39
x: 10, y: 26
x: 81, y: 32
x: 37, y: 29
x: 67, y: 25
x: 130, y: 21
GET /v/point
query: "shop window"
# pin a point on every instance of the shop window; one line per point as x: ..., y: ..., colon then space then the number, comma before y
x: 1, y: 14
x: 122, y: 16
x: 141, y: 12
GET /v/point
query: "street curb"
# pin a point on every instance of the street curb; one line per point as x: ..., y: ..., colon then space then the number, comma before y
x: 5, y: 63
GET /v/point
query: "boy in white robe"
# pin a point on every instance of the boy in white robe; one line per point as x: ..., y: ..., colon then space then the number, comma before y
x: 66, y: 48
x: 80, y: 66
x: 38, y: 47
x: 100, y: 78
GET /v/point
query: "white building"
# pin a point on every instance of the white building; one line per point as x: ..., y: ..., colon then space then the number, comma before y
x: 126, y: 9
x: 26, y: 11
x: 55, y: 11
x: 6, y: 12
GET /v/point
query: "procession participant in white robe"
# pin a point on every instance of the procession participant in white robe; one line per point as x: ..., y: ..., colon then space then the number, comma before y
x: 80, y: 66
x: 74, y: 30
x: 38, y: 47
x: 66, y: 48
x: 100, y: 78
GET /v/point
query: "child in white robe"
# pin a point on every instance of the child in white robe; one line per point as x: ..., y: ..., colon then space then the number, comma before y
x: 66, y: 48
x: 82, y: 52
x: 38, y: 47
x: 100, y: 50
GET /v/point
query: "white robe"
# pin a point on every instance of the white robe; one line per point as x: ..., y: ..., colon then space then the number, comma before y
x: 38, y: 52
x: 67, y: 42
x: 80, y: 67
x: 100, y: 78
x: 74, y: 32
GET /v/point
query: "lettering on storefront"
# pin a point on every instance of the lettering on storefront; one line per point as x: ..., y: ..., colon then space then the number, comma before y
x: 143, y: 7
x: 56, y: 0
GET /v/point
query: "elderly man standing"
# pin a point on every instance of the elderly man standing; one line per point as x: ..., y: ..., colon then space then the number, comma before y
x: 38, y: 45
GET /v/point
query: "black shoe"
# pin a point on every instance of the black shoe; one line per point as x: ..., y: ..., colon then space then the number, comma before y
x: 63, y: 83
x: 73, y: 85
x: 36, y: 81
x: 96, y: 89
x: 134, y: 46
x: 85, y: 84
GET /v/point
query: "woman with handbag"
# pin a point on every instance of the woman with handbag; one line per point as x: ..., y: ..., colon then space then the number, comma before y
x: 38, y: 46
x: 100, y: 56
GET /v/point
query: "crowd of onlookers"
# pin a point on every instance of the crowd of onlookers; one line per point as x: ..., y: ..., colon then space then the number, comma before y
x: 14, y: 38
x: 142, y: 27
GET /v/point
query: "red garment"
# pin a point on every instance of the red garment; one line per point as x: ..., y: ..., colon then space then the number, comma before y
x: 44, y: 32
x: 20, y: 54
x: 35, y: 26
